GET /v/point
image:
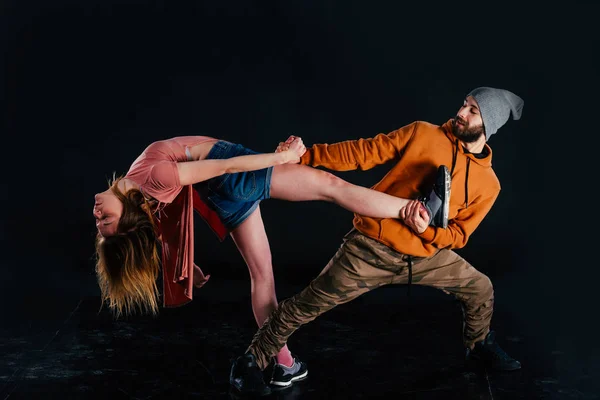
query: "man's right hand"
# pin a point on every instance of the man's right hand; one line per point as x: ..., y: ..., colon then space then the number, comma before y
x: 295, y: 146
x: 283, y: 146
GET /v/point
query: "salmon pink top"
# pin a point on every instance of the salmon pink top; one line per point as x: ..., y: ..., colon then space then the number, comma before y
x: 155, y: 171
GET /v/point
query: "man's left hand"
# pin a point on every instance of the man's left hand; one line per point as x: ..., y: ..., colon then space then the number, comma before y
x: 415, y: 216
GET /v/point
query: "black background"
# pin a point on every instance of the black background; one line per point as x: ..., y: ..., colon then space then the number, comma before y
x: 88, y: 85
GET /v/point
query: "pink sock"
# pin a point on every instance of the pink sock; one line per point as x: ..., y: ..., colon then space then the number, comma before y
x: 284, y: 357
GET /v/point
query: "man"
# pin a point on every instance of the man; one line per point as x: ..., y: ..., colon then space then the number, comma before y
x: 383, y: 251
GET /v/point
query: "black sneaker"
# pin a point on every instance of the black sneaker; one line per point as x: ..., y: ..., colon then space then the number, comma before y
x: 246, y: 377
x: 285, y: 376
x: 488, y: 353
x: 437, y: 202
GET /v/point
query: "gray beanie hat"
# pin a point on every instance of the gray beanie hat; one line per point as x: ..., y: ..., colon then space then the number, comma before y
x: 495, y: 106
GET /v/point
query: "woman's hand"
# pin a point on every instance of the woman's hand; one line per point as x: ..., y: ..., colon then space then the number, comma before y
x: 294, y: 146
x: 284, y: 146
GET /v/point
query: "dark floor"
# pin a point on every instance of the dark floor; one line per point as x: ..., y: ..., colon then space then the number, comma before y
x: 382, y: 345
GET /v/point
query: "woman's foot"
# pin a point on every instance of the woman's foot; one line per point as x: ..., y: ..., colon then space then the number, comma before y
x: 437, y: 202
x: 285, y: 376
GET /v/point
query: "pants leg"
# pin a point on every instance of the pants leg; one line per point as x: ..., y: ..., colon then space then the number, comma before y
x: 353, y: 270
x: 449, y: 272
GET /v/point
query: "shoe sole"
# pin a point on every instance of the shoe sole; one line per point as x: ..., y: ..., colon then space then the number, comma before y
x: 288, y: 383
x: 446, y: 184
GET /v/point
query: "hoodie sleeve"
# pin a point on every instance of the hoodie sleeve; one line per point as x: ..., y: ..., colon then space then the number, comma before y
x: 460, y: 228
x: 360, y: 154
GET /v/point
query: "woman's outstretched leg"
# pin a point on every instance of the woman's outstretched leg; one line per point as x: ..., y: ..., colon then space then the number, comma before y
x: 295, y: 182
x: 251, y: 240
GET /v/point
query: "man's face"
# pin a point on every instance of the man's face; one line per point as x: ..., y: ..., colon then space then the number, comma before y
x: 467, y: 126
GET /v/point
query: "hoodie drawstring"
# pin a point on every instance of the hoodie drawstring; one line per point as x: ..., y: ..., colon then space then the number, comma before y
x: 454, y: 158
x: 467, y: 183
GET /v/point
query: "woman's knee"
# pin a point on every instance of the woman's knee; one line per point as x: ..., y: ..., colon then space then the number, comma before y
x: 331, y: 185
x: 262, y: 276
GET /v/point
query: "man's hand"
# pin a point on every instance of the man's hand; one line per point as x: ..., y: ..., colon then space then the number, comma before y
x: 415, y: 216
x: 283, y: 146
x: 294, y: 146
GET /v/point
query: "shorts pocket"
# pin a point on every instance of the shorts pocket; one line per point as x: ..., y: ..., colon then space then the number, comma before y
x: 215, y: 202
x: 240, y: 186
x: 247, y: 189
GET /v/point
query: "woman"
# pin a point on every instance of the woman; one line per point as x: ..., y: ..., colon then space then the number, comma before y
x: 225, y: 182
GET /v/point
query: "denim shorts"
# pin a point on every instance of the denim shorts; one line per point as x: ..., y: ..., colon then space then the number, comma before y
x: 234, y: 196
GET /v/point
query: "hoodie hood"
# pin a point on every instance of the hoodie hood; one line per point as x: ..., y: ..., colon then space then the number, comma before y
x: 485, y: 161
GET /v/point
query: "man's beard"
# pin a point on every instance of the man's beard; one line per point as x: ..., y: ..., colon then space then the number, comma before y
x: 465, y: 133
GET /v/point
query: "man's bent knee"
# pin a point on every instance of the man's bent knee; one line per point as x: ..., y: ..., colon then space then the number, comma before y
x: 483, y: 287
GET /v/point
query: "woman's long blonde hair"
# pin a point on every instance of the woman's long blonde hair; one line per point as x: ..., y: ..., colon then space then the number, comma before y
x: 128, y: 263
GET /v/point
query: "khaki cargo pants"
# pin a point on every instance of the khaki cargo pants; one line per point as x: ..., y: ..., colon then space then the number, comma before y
x: 363, y: 264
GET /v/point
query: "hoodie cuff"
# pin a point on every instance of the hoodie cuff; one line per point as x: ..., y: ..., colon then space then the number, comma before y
x: 428, y: 235
x: 306, y: 157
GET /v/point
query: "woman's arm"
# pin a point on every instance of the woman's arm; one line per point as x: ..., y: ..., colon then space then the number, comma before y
x: 192, y: 172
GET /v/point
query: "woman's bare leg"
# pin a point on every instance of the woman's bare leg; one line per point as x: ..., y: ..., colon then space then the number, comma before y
x: 252, y: 242
x: 295, y: 182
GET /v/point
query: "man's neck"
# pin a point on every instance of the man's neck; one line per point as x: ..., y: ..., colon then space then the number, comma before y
x: 475, y: 147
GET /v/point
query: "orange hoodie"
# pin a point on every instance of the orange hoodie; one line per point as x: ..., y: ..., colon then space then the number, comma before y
x: 417, y: 150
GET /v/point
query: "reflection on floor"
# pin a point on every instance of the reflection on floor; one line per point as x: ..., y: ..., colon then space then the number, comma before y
x: 382, y: 345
